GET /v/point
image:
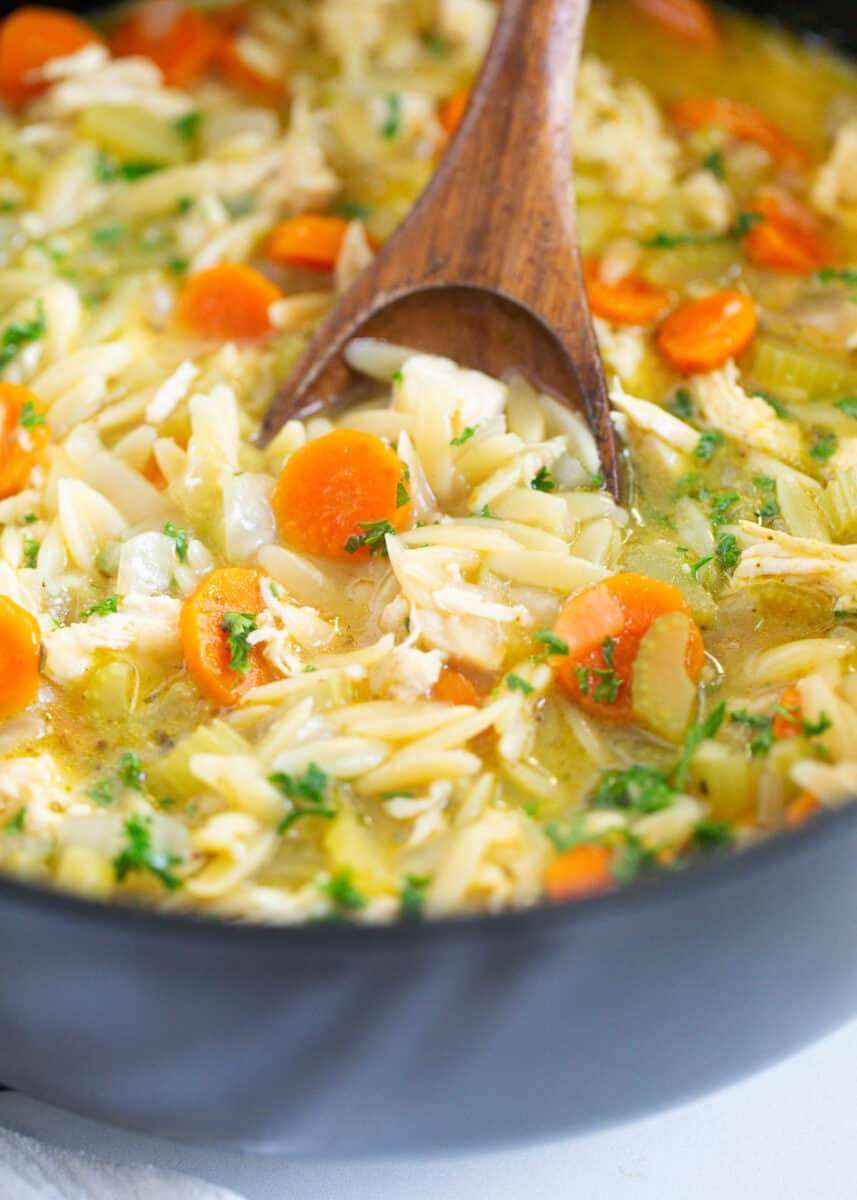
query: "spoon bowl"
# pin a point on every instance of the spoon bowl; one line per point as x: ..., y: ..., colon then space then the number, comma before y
x: 485, y: 269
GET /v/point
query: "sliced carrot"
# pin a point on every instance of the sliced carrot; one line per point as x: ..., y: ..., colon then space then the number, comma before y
x: 310, y: 240
x: 338, y: 495
x: 181, y: 41
x: 30, y: 37
x: 20, y: 646
x: 690, y: 20
x: 453, y: 687
x: 23, y: 436
x: 742, y: 122
x: 581, y: 871
x: 702, y: 334
x: 631, y: 300
x: 453, y: 109
x: 788, y: 238
x: 602, y: 627
x: 788, y: 720
x: 154, y: 474
x: 801, y: 809
x: 227, y: 301
x: 205, y: 637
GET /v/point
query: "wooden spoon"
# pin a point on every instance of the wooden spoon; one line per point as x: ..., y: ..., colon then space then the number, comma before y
x: 485, y: 268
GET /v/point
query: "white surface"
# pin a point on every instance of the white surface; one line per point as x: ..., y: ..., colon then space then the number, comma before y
x: 787, y: 1134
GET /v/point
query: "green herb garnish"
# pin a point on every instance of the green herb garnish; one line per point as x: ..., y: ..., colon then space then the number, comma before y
x: 553, y: 641
x: 373, y: 538
x: 699, y: 732
x: 139, y: 855
x: 130, y: 771
x: 101, y: 793
x: 345, y: 896
x: 681, y: 404
x: 393, y: 121
x: 465, y: 435
x: 769, y: 508
x: 30, y: 416
x: 15, y: 824
x: 516, y: 684
x: 708, y: 442
x: 413, y: 895
x: 640, y: 789
x: 110, y: 604
x: 238, y: 626
x: 709, y: 835
x: 31, y: 547
x: 714, y: 163
x: 727, y: 551
x: 543, y: 481
x: 847, y: 405
x: 189, y: 125
x: 310, y: 786
x: 180, y: 537
x: 20, y: 334
x: 351, y: 210
x: 824, y: 446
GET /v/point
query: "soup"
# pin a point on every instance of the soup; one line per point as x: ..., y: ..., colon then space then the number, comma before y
x: 412, y: 658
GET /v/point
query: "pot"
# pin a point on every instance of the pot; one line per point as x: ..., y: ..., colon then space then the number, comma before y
x: 340, y: 1040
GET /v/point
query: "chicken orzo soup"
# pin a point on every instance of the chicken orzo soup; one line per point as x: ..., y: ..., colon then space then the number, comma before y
x: 413, y: 658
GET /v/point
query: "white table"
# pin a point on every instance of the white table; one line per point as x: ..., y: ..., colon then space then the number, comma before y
x: 787, y: 1134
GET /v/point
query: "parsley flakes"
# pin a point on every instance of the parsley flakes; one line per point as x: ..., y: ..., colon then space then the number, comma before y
x: 373, y: 538
x: 238, y: 626
x: 138, y: 855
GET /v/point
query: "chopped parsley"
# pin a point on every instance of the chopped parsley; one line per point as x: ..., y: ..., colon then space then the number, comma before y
x: 310, y: 786
x: 486, y: 512
x: 392, y: 126
x: 721, y: 503
x: 396, y: 377
x: 130, y: 771
x: 708, y: 442
x: 30, y: 518
x: 435, y: 45
x: 761, y: 727
x: 824, y: 446
x: 698, y: 733
x: 769, y: 507
x: 714, y: 163
x: 837, y: 275
x: 104, y: 235
x: 402, y: 494
x: 20, y: 334
x: 845, y: 614
x: 681, y: 404
x: 108, y: 170
x: 15, y: 824
x: 465, y: 435
x: 189, y: 125
x: 31, y: 547
x: 543, y: 481
x: 696, y: 567
x: 631, y: 858
x: 709, y: 835
x: 184, y: 204
x: 640, y: 789
x: 602, y: 683
x: 373, y: 538
x: 772, y: 402
x: 238, y: 626
x: 177, y: 265
x: 110, y: 604
x: 345, y: 896
x: 351, y: 210
x: 413, y: 895
x: 101, y: 793
x: 516, y: 684
x: 847, y: 405
x: 180, y: 537
x: 30, y: 416
x: 727, y: 551
x: 553, y: 641
x: 139, y: 855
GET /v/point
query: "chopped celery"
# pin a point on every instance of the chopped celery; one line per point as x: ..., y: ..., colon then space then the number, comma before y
x: 133, y: 134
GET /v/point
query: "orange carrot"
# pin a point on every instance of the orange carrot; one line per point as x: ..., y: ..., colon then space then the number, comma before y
x: 181, y: 41
x: 801, y: 809
x: 23, y: 436
x: 581, y: 871
x: 30, y: 37
x: 452, y: 110
x: 602, y: 627
x: 788, y: 720
x: 20, y: 643
x: 789, y: 237
x: 690, y: 20
x: 227, y: 301
x: 744, y: 123
x: 702, y: 334
x: 631, y: 300
x: 213, y: 625
x: 310, y: 240
x: 453, y: 687
x: 340, y: 494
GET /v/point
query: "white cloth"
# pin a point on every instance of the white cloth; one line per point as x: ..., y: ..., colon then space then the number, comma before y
x: 30, y: 1170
